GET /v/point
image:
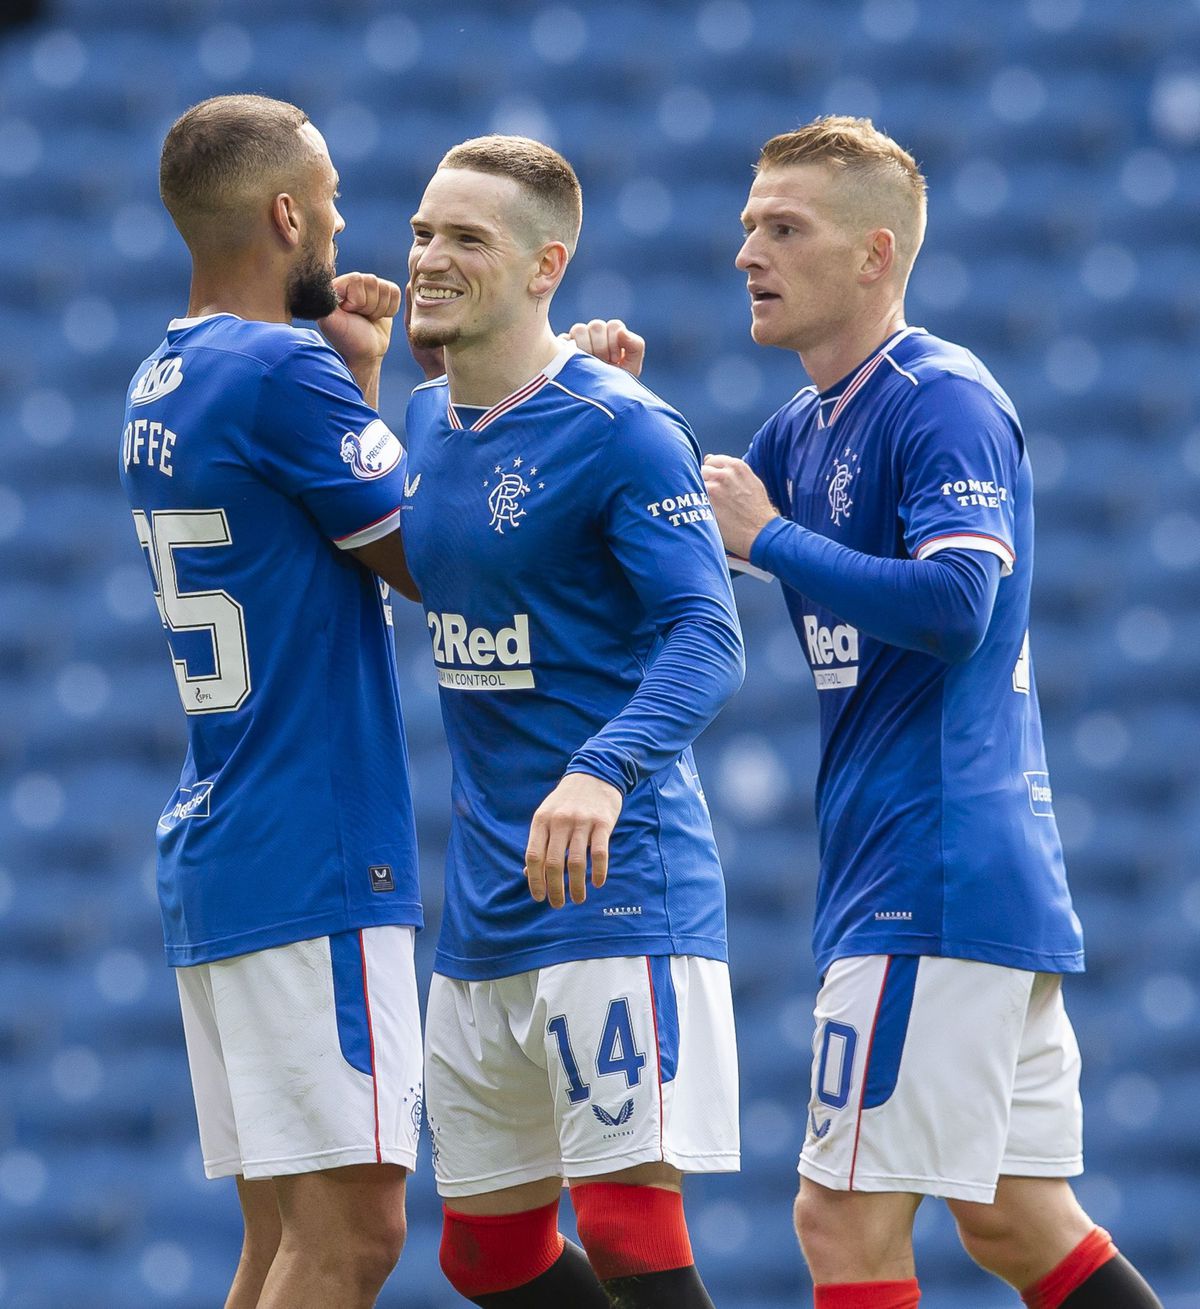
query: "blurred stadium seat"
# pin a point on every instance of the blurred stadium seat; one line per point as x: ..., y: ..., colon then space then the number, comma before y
x: 1062, y: 143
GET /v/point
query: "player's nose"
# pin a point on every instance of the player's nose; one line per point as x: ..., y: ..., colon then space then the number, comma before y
x: 748, y: 256
x: 432, y: 256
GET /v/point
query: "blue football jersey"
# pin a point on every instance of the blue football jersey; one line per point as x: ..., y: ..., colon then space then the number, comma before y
x: 934, y: 803
x: 581, y: 617
x: 252, y: 462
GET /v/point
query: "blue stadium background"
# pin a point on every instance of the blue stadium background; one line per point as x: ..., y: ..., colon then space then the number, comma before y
x: 1061, y: 139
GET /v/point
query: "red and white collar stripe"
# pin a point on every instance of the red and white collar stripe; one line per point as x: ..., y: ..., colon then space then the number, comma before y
x: 859, y: 380
x: 518, y: 397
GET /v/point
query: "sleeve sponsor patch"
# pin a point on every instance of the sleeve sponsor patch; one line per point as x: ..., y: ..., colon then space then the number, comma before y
x: 372, y: 452
x: 687, y: 507
x: 975, y: 492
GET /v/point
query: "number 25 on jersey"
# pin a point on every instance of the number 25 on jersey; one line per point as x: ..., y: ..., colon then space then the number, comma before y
x: 215, y: 612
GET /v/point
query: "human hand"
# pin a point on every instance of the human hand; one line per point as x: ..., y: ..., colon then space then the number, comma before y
x: 577, y: 816
x: 360, y: 328
x: 739, y: 501
x: 611, y: 342
x: 431, y: 359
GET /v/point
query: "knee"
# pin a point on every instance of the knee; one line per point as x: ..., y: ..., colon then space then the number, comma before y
x: 815, y: 1227
x: 990, y: 1236
x: 381, y: 1248
x: 364, y: 1257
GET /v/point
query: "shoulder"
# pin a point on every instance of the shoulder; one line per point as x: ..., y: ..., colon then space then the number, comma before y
x: 796, y: 411
x: 435, y: 391
x: 941, y: 373
x: 616, y: 408
x: 611, y: 393
x: 777, y: 434
x: 267, y: 344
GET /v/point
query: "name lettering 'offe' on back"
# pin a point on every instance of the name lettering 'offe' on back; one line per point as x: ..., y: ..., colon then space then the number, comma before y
x: 249, y: 458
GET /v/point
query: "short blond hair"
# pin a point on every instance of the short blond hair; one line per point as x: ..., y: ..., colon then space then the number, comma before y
x: 541, y: 172
x: 883, y: 180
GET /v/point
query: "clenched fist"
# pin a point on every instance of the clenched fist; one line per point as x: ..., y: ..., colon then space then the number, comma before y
x: 360, y: 328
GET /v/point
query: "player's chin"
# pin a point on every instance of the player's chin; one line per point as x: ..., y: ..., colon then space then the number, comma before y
x: 432, y: 336
x: 765, y: 332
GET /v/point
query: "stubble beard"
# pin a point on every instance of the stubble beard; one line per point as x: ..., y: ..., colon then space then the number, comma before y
x: 434, y: 338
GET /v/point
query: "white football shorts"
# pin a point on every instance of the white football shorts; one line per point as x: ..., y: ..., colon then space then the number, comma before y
x: 306, y: 1056
x: 938, y: 1076
x: 580, y: 1069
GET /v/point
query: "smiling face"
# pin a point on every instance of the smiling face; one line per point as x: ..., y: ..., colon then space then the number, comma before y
x: 801, y: 257
x: 476, y: 264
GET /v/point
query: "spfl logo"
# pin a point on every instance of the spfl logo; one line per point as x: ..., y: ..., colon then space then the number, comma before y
x: 619, y: 1119
x: 505, y: 495
x: 844, y: 472
x: 373, y: 452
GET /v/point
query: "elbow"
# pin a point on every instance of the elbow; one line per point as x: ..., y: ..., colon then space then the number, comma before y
x: 956, y: 644
x: 735, y: 666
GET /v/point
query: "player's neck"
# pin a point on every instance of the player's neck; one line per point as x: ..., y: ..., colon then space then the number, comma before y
x: 487, y: 371
x: 837, y: 357
x: 236, y: 290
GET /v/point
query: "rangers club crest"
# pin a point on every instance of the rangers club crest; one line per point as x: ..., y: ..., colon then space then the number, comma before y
x: 839, y: 480
x: 372, y: 452
x: 506, y: 493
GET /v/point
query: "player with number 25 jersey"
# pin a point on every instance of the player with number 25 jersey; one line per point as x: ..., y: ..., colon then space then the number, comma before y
x: 239, y: 439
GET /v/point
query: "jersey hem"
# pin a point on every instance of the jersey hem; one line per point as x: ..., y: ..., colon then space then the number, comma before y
x: 1016, y: 1166
x: 975, y: 1192
x: 404, y: 1155
x: 559, y: 952
x: 406, y: 913
x: 981, y: 952
x: 714, y: 1161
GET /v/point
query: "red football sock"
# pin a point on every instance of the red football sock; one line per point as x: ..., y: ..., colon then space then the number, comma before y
x: 629, y: 1231
x: 1093, y: 1252
x: 867, y: 1295
x: 484, y: 1255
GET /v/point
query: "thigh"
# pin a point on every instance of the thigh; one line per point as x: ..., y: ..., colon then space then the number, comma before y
x: 912, y: 1080
x: 1045, y: 1135
x: 642, y: 1063
x: 489, y: 1104
x: 321, y: 1043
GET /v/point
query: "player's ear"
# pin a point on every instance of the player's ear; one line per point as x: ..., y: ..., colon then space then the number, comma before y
x: 551, y: 264
x: 286, y: 220
x: 879, y: 255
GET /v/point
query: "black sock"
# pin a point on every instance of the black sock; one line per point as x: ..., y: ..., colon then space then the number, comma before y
x: 678, y: 1288
x: 1116, y: 1284
x: 568, y: 1281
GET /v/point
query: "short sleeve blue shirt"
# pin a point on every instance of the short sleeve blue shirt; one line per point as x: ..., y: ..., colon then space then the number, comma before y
x: 252, y: 462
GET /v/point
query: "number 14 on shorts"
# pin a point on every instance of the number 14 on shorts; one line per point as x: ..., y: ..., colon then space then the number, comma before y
x: 616, y: 1052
